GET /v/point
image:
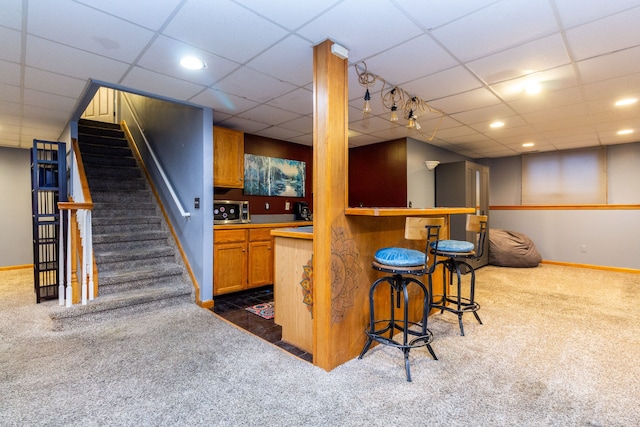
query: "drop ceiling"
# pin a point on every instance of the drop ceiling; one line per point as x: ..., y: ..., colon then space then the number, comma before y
x: 470, y: 59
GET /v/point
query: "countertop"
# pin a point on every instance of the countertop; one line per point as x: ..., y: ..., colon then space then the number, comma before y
x: 261, y: 225
x: 294, y: 232
x: 406, y: 211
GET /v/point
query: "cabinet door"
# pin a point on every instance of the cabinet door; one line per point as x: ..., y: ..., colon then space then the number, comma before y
x: 260, y: 263
x: 229, y: 267
x: 228, y: 158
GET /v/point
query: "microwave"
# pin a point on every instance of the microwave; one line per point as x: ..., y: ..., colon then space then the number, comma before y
x: 231, y: 212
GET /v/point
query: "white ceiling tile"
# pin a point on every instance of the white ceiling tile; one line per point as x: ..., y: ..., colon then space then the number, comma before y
x: 497, y: 27
x: 164, y: 56
x: 486, y: 114
x: 85, y: 28
x: 253, y: 85
x: 617, y: 139
x: 372, y: 125
x: 448, y: 82
x: 48, y: 100
x: 610, y: 66
x: 361, y: 140
x: 10, y: 93
x: 268, y: 114
x: 454, y: 132
x: 586, y: 41
x: 11, y: 15
x: 410, y: 60
x: 161, y: 85
x: 434, y: 14
x: 526, y: 59
x: 44, y: 81
x: 9, y: 73
x: 290, y: 15
x: 299, y: 100
x: 228, y: 30
x: 395, y: 132
x: 48, y: 115
x: 471, y: 100
x: 60, y: 59
x: 419, y: 45
x: 11, y: 45
x: 306, y: 139
x: 276, y: 132
x: 361, y: 28
x: 549, y: 81
x: 300, y: 124
x: 248, y: 126
x: 545, y: 101
x: 620, y: 87
x: 576, y: 12
x: 294, y: 50
x: 138, y: 12
x: 6, y: 108
x: 223, y: 102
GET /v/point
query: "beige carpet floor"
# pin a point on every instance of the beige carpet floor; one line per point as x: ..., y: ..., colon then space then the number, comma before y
x: 559, y: 346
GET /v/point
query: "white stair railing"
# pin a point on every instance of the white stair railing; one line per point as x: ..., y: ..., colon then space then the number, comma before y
x: 156, y: 162
x: 79, y: 239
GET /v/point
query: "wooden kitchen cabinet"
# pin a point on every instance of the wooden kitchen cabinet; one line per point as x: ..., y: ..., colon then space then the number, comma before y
x: 260, y: 266
x: 230, y: 258
x: 242, y: 259
x: 228, y: 158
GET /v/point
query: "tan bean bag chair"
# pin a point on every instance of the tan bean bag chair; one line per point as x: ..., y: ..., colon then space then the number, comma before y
x: 512, y: 249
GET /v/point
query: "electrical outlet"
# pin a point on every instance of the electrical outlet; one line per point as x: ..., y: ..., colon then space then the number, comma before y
x: 287, y: 205
x: 583, y: 249
x: 266, y: 206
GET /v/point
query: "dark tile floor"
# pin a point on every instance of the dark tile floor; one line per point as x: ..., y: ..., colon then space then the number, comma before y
x: 232, y: 308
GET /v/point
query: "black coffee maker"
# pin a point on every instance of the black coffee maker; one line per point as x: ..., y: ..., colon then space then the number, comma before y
x: 301, y: 211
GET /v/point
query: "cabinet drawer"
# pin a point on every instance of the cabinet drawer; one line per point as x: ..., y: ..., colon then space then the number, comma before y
x: 256, y: 234
x: 228, y: 236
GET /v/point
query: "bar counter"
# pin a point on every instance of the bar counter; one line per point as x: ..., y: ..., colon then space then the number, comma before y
x: 405, y: 212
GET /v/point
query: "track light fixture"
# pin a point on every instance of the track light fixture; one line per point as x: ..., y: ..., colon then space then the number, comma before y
x: 393, y: 98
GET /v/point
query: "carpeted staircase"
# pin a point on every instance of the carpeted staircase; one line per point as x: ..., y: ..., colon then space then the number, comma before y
x: 139, y: 266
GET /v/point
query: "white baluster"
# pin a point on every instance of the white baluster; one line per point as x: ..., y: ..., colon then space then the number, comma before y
x: 60, y: 260
x: 83, y: 264
x: 89, y: 246
x: 68, y: 293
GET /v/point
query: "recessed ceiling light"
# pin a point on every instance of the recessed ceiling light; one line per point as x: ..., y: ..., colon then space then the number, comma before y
x: 192, y: 63
x: 626, y: 101
x: 533, y: 89
x: 528, y: 144
x: 625, y: 131
x: 497, y: 124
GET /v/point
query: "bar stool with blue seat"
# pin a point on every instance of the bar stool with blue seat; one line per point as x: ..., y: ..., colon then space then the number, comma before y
x: 454, y: 254
x: 402, y: 263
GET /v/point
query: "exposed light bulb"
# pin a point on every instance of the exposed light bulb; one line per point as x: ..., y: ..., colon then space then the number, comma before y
x: 394, y: 113
x: 411, y: 120
x: 367, y: 107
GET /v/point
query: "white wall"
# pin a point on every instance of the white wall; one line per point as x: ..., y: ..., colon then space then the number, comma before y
x: 603, y: 237
x: 421, y: 181
x: 16, y: 246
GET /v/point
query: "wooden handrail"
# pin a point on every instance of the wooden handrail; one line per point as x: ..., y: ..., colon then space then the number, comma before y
x: 76, y: 293
x: 83, y: 177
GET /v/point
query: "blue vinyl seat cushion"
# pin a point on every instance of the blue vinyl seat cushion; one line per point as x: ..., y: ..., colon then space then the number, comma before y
x: 453, y: 246
x: 400, y: 257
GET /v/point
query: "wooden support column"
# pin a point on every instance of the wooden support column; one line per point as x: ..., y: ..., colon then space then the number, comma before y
x: 330, y: 147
